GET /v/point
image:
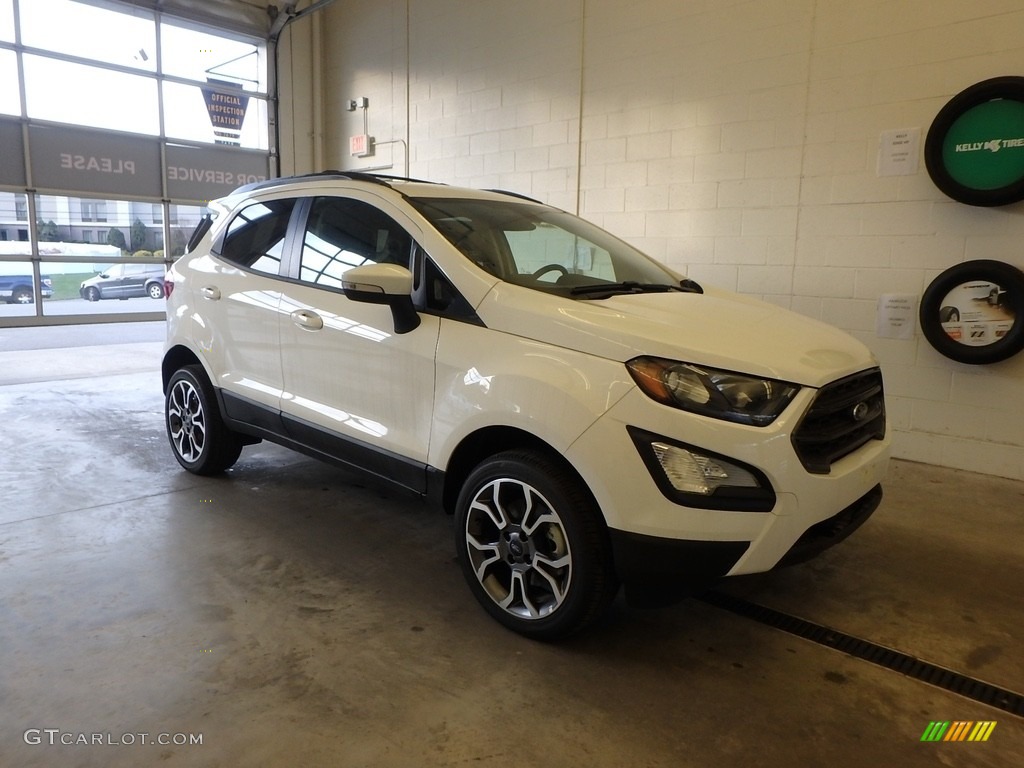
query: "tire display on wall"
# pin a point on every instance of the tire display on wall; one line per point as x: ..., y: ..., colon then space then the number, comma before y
x: 974, y: 312
x: 974, y: 151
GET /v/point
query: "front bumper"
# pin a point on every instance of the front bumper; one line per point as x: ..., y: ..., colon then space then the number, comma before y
x: 810, y: 512
x: 659, y: 571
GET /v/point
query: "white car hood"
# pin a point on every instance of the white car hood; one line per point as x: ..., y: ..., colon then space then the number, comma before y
x: 717, y: 329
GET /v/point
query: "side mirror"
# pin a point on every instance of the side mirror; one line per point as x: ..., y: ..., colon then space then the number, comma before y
x: 388, y: 284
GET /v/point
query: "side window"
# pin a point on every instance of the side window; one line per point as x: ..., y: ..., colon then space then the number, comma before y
x: 255, y: 237
x: 342, y: 234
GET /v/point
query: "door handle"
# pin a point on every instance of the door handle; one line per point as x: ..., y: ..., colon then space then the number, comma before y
x: 211, y: 292
x: 305, y: 318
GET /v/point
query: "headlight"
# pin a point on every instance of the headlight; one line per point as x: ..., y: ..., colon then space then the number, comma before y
x: 710, y: 392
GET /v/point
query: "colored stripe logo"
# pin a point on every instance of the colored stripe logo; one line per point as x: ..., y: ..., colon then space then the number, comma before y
x: 959, y: 730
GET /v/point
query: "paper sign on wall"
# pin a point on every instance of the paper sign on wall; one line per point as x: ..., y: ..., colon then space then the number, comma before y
x: 897, y: 316
x: 898, y: 152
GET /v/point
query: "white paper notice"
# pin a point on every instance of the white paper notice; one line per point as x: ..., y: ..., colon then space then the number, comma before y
x: 898, y: 152
x: 897, y: 316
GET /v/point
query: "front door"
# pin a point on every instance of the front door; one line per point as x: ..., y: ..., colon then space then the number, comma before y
x: 353, y: 388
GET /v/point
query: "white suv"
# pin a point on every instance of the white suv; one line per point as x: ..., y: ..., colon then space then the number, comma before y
x: 590, y: 417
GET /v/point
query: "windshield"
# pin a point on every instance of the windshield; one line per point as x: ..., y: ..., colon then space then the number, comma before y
x: 540, y: 247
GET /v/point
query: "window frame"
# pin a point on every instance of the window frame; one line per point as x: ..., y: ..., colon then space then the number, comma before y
x: 303, y: 229
x: 287, y: 241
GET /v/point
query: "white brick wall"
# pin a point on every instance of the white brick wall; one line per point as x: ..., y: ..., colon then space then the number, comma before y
x: 735, y: 140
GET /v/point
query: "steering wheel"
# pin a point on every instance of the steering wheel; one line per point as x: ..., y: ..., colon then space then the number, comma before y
x: 549, y: 268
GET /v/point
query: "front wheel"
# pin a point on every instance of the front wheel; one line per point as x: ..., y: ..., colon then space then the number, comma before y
x: 533, y: 546
x: 155, y: 291
x: 200, y: 440
x: 22, y: 296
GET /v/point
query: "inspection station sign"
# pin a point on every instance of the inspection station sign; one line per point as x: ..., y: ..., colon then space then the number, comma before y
x: 226, y: 109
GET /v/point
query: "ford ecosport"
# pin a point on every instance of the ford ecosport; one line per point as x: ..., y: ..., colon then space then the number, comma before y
x: 590, y: 417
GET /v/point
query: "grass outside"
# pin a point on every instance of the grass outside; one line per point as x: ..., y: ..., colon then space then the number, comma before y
x: 66, y: 286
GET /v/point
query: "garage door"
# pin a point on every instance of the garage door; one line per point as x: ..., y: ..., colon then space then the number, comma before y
x: 126, y: 120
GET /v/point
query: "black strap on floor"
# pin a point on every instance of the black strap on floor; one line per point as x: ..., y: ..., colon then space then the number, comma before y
x: 933, y: 674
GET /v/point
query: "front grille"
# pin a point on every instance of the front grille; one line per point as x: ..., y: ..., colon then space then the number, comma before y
x: 845, y: 415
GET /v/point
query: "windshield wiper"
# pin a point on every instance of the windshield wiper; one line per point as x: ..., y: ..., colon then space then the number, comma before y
x: 631, y: 286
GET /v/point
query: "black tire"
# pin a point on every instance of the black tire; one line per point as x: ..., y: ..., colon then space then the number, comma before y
x: 1009, y: 87
x: 934, y: 311
x: 540, y: 562
x: 155, y: 290
x: 199, y: 439
x: 23, y: 296
x: 92, y: 293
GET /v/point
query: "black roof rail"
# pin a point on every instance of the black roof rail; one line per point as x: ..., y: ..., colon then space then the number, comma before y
x: 373, y: 178
x: 271, y: 183
x: 387, y: 177
x: 515, y: 194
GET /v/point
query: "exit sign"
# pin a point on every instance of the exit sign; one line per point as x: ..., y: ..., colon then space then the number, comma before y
x: 361, y: 145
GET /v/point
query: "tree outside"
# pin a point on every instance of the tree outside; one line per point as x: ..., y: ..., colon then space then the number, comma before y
x: 48, y: 231
x: 115, y: 237
x: 140, y: 235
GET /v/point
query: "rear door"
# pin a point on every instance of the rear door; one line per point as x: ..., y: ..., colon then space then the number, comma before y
x: 236, y: 292
x: 353, y: 388
x: 134, y: 279
x: 112, y: 286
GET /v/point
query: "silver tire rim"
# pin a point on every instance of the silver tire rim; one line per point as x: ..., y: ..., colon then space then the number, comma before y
x: 186, y: 420
x: 518, y: 549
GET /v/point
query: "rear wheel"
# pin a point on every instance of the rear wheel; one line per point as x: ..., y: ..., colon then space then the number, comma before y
x: 155, y: 290
x: 201, y: 442
x: 533, y: 546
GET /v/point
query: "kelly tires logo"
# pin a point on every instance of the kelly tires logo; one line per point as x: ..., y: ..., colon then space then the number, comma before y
x: 974, y: 151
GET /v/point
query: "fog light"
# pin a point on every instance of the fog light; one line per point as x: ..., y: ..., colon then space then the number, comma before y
x: 691, y: 472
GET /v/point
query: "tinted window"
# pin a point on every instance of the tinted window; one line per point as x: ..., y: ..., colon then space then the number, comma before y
x: 255, y: 237
x: 342, y: 234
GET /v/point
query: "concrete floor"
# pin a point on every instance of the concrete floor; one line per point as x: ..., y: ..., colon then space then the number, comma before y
x: 287, y: 615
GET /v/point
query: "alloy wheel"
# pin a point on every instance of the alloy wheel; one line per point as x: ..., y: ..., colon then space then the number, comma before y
x: 518, y: 548
x: 186, y: 420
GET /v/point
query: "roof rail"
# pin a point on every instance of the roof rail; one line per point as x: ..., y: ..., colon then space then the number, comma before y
x: 515, y: 194
x: 387, y: 177
x: 372, y: 178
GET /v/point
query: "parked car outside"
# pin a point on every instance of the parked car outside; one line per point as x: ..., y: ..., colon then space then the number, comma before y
x: 125, y: 281
x: 17, y: 289
x: 589, y: 416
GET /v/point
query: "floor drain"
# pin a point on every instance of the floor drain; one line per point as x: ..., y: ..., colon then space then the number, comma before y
x: 933, y: 674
